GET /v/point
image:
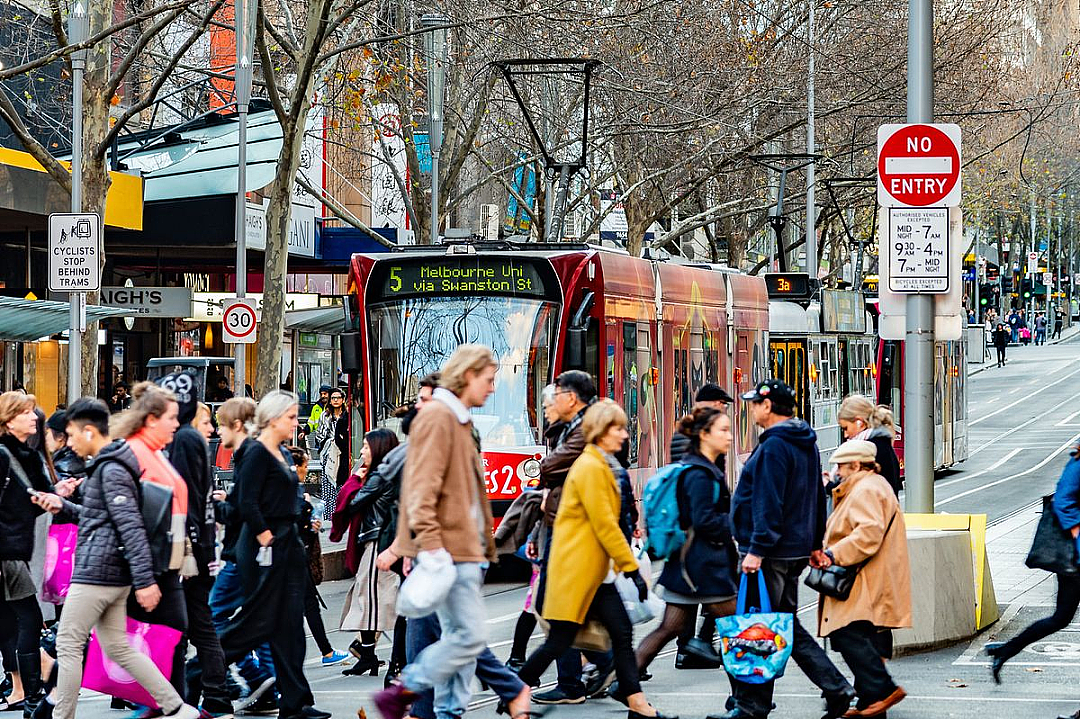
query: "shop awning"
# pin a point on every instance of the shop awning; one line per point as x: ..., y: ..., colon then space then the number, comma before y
x: 29, y: 320
x: 321, y: 320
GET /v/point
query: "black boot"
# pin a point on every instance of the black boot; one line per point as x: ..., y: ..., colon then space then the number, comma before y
x: 367, y: 662
x: 30, y: 673
x: 392, y: 672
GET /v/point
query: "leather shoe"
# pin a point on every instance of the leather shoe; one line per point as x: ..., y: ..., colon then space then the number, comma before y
x: 1074, y: 715
x: 684, y: 660
x: 735, y: 713
x: 879, y: 707
x: 837, y: 705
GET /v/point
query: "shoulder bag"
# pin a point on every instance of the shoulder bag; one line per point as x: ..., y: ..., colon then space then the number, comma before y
x: 836, y: 581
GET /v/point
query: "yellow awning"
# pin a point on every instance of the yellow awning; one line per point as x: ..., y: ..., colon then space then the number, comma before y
x: 123, y: 203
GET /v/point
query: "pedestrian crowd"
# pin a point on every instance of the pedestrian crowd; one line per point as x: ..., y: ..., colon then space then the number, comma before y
x: 200, y: 590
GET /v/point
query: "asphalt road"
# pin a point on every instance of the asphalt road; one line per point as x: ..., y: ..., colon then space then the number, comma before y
x: 1023, y: 420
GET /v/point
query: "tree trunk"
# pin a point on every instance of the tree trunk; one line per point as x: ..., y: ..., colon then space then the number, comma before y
x: 276, y: 259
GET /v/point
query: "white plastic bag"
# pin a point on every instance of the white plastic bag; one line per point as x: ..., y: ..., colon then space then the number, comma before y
x: 432, y: 575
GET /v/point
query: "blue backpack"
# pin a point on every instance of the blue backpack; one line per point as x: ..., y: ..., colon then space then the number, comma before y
x: 660, y: 500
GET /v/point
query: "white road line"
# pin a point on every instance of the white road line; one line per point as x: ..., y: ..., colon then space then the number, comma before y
x: 1013, y: 430
x: 1040, y: 465
x: 1068, y: 420
x: 981, y: 472
x: 1013, y: 404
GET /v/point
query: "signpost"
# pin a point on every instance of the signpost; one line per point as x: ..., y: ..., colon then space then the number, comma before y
x: 239, y: 322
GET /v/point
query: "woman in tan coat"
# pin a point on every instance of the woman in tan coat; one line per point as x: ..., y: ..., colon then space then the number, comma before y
x: 866, y: 530
x: 588, y: 547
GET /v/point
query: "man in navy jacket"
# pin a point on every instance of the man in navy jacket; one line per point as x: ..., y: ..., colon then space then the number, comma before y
x: 778, y: 517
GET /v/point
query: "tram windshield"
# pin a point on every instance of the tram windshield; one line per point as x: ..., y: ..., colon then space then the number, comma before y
x: 411, y: 338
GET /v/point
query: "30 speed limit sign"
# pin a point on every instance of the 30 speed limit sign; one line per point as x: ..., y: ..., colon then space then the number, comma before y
x: 238, y: 321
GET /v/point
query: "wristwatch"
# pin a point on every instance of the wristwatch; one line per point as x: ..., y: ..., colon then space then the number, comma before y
x: 828, y: 553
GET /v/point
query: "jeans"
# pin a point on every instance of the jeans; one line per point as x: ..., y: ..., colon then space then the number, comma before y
x: 89, y: 606
x: 225, y: 598
x: 782, y: 581
x: 1040, y: 337
x: 1068, y: 599
x: 607, y: 608
x: 449, y: 664
x: 858, y: 644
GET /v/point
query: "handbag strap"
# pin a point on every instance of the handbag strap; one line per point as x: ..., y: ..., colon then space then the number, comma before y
x: 15, y: 468
x: 765, y: 604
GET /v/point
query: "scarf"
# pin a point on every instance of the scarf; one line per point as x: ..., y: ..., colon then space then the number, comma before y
x: 344, y: 524
x: 156, y: 468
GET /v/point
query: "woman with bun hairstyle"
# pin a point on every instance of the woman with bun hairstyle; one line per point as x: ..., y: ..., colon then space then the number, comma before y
x: 704, y: 572
x: 860, y: 418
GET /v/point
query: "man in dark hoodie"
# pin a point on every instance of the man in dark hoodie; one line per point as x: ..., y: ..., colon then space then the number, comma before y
x: 190, y: 455
x: 112, y: 557
x: 778, y: 515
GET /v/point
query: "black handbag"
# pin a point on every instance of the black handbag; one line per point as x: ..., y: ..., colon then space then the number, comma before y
x: 1054, y: 548
x: 836, y: 581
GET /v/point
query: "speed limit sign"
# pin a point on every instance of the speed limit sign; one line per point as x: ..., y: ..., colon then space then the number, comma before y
x: 238, y: 321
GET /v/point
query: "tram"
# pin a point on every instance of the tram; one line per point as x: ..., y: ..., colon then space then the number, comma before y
x: 822, y: 344
x: 650, y: 333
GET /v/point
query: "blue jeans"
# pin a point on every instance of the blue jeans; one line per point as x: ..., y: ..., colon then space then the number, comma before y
x: 505, y: 683
x: 449, y: 664
x: 225, y: 598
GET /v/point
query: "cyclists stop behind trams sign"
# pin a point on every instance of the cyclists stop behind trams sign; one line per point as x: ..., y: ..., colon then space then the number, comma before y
x: 918, y: 180
x: 238, y: 321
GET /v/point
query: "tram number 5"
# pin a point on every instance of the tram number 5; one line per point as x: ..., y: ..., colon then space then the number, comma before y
x: 395, y: 279
x: 492, y: 480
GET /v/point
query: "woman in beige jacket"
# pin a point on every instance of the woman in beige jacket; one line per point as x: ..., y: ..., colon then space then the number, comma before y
x: 866, y: 530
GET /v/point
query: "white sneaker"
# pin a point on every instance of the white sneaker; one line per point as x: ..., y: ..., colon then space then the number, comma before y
x: 186, y: 711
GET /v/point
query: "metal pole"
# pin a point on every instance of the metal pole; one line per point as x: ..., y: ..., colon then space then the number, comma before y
x: 919, y: 336
x: 1001, y: 269
x: 78, y: 30
x: 1029, y: 270
x: 558, y: 216
x: 436, y: 49
x: 242, y: 90
x: 812, y: 261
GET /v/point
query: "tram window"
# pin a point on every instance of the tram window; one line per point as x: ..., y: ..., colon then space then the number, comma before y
x: 630, y: 385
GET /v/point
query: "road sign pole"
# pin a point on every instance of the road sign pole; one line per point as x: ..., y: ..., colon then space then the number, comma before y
x: 78, y: 29
x: 812, y: 262
x: 918, y: 419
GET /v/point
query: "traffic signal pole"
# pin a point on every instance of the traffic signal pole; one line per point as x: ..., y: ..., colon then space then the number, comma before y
x: 919, y: 331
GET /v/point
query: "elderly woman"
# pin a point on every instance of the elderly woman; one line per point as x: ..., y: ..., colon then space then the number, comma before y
x: 866, y: 534
x: 587, y: 543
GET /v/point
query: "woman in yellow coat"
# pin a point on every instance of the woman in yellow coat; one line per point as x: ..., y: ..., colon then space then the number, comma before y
x: 587, y: 548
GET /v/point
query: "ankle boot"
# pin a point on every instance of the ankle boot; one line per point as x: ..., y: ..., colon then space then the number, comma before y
x: 30, y: 673
x: 367, y: 663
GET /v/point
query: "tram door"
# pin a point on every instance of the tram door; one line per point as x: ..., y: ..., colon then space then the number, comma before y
x: 789, y: 365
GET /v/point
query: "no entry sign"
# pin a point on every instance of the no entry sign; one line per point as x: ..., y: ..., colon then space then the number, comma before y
x: 919, y: 165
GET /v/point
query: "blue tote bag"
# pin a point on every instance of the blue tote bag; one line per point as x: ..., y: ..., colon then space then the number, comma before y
x: 755, y: 643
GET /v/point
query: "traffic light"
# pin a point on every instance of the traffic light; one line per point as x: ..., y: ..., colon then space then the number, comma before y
x: 1026, y: 289
x: 1007, y: 283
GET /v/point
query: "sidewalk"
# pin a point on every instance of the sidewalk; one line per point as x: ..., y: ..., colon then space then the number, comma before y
x: 1066, y: 335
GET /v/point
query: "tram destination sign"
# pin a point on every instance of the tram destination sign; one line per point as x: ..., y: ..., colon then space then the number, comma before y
x: 919, y: 250
x: 480, y: 276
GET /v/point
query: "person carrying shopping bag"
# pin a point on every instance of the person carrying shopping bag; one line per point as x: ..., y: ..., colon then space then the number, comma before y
x: 865, y: 535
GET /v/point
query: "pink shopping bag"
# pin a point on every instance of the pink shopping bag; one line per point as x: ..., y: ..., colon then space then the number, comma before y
x: 59, y: 562
x: 106, y: 676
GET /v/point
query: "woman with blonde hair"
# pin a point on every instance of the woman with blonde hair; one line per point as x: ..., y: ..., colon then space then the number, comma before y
x: 21, y: 468
x: 587, y: 544
x: 860, y: 418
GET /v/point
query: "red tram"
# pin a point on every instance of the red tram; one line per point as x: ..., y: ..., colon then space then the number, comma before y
x: 649, y: 332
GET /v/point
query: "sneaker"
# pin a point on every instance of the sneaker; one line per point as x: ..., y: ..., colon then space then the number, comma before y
x: 267, y: 705
x: 558, y: 696
x: 44, y: 709
x: 255, y: 695
x: 186, y: 711
x: 335, y: 657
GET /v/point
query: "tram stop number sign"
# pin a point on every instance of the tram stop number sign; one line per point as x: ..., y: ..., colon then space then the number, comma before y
x: 918, y: 181
x: 238, y: 321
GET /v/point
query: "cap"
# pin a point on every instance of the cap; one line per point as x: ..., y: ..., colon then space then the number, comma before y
x: 772, y: 389
x: 57, y: 422
x: 324, y: 388
x: 854, y: 450
x: 712, y: 392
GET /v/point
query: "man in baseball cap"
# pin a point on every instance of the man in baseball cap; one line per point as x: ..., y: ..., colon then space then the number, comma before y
x: 778, y: 518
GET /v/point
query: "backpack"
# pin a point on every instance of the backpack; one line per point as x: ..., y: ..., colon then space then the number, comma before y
x: 155, y: 505
x: 660, y: 504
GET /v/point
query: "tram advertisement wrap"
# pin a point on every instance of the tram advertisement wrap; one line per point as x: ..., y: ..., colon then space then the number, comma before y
x: 508, y: 474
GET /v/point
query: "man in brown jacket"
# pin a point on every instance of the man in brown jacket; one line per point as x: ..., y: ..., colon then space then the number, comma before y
x: 444, y: 510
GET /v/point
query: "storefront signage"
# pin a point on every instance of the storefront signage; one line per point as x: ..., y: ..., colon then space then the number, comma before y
x: 150, y: 302
x: 477, y: 276
x: 301, y: 228
x: 210, y: 306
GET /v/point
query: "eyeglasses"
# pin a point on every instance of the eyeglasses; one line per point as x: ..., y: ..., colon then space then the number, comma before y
x: 337, y: 398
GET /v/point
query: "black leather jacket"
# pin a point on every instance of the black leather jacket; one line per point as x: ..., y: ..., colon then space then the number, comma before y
x: 377, y: 500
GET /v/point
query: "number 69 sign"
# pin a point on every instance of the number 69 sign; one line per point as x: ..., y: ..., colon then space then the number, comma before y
x: 238, y: 321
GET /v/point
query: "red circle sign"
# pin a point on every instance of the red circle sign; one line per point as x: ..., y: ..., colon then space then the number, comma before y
x: 919, y: 165
x: 239, y: 320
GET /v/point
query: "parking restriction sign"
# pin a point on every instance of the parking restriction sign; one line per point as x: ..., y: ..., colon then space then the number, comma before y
x: 238, y: 321
x: 919, y: 250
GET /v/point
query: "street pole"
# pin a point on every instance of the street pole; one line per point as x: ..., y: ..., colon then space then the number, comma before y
x: 78, y: 31
x: 812, y: 261
x: 919, y: 334
x: 435, y: 46
x: 1029, y: 271
x: 244, y: 40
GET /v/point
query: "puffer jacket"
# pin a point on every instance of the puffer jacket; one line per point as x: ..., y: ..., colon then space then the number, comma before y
x: 377, y: 500
x: 17, y: 512
x: 112, y: 548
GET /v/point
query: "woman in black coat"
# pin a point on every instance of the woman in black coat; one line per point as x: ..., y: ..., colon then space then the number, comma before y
x: 704, y: 572
x: 860, y: 418
x: 21, y: 468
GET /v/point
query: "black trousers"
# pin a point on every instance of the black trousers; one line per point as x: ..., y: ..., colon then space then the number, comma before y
x: 20, y: 629
x: 313, y: 614
x: 1000, y: 355
x: 860, y: 646
x: 607, y: 608
x: 1068, y: 599
x: 208, y: 676
x: 782, y: 581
